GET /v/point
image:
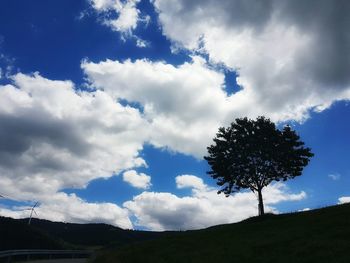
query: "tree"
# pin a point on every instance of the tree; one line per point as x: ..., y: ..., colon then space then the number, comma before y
x: 250, y: 154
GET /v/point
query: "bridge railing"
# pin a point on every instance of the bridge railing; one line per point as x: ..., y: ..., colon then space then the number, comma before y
x: 8, y: 256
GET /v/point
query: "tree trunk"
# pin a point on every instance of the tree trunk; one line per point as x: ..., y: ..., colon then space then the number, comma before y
x: 261, y: 203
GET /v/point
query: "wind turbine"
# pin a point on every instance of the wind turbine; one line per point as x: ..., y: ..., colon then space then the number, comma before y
x: 31, y: 212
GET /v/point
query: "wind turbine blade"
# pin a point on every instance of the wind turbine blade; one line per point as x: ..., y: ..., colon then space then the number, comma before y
x: 35, y: 212
x: 35, y: 204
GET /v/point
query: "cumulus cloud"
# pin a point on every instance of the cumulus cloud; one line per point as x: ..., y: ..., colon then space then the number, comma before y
x: 122, y: 16
x: 291, y: 56
x: 138, y: 180
x: 53, y: 137
x: 344, y: 199
x: 142, y: 43
x: 203, y: 208
x: 70, y: 208
x: 184, y: 104
x: 189, y: 181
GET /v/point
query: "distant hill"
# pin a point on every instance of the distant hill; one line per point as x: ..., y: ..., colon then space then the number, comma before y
x: 44, y: 234
x: 92, y: 235
x: 15, y: 234
x: 321, y: 235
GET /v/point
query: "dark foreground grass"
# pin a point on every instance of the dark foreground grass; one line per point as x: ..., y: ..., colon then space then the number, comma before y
x: 321, y: 235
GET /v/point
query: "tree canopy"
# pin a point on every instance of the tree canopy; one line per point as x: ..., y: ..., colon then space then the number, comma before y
x: 250, y: 154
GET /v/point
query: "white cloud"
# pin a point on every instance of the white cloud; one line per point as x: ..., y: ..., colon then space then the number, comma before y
x: 344, y: 199
x: 166, y: 211
x: 53, y: 137
x: 142, y: 43
x: 334, y: 177
x: 289, y: 54
x: 189, y: 181
x: 70, y: 208
x: 184, y: 105
x: 128, y: 15
x: 103, y: 4
x: 140, y: 180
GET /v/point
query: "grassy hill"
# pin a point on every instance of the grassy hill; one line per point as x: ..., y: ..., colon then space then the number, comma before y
x: 321, y: 235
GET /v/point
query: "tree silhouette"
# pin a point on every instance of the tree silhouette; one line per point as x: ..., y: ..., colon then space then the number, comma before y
x: 250, y: 154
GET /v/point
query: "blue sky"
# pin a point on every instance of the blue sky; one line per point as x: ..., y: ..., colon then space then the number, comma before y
x: 107, y: 106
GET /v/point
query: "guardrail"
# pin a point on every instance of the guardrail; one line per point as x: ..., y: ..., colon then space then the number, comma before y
x: 9, y: 256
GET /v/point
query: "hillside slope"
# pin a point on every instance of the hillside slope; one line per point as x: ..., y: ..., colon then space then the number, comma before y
x: 321, y: 235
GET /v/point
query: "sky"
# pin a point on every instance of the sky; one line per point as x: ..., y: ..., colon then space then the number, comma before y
x: 107, y: 106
